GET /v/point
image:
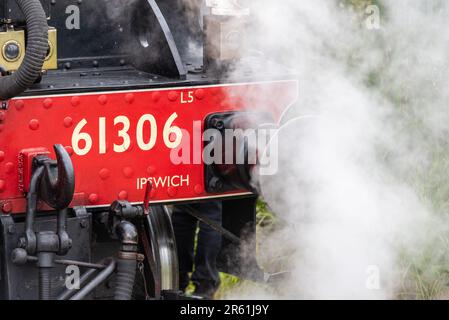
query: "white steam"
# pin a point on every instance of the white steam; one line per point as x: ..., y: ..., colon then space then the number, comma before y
x: 362, y: 184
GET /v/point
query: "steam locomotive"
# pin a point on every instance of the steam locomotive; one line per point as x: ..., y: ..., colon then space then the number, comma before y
x: 97, y: 96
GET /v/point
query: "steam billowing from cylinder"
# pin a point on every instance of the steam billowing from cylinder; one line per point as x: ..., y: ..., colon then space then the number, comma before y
x: 362, y: 179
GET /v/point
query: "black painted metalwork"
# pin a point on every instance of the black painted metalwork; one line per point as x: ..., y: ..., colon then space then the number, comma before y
x: 117, y: 45
x: 80, y: 229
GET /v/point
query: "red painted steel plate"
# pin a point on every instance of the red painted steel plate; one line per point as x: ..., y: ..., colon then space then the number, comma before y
x: 90, y: 124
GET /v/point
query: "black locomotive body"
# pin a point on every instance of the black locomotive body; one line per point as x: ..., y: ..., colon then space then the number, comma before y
x: 50, y: 231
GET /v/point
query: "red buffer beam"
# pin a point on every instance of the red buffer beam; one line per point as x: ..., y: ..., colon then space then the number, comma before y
x: 118, y: 141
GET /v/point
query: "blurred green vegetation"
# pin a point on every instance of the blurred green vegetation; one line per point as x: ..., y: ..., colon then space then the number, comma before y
x: 266, y: 221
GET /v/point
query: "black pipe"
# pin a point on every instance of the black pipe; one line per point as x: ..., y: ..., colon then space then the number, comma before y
x: 204, y: 219
x: 126, y: 261
x: 80, y: 264
x: 68, y: 292
x: 128, y: 235
x: 102, y: 276
x: 126, y: 275
x: 36, y: 51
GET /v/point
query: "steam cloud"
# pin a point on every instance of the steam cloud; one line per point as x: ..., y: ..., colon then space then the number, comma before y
x: 363, y: 182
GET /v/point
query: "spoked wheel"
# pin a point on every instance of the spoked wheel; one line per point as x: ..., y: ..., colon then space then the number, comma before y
x: 159, y: 245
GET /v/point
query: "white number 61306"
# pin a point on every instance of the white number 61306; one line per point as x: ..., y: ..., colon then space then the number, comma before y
x: 172, y: 135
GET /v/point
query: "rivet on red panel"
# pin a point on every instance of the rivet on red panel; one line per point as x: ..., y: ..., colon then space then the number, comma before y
x: 69, y: 150
x: 214, y: 91
x: 34, y: 124
x: 128, y: 172
x: 48, y: 103
x: 103, y: 99
x: 2, y: 185
x: 225, y: 104
x: 200, y: 94
x: 93, y: 198
x: 9, y: 167
x: 19, y: 104
x: 156, y: 96
x: 123, y: 195
x: 104, y: 173
x: 129, y: 98
x: 151, y: 170
x: 68, y: 121
x: 7, y: 207
x: 172, y: 96
x: 199, y: 189
x: 172, y: 192
x: 75, y: 101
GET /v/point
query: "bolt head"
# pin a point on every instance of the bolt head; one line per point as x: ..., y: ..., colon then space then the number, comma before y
x: 11, y: 229
x: 34, y: 124
x: 123, y: 195
x: 19, y: 256
x: 218, y: 124
x: 216, y: 184
x: 7, y: 207
x: 11, y: 51
x: 84, y: 223
x: 198, y: 189
x: 172, y: 96
x: 93, y: 199
x: 75, y: 101
x: 22, y: 243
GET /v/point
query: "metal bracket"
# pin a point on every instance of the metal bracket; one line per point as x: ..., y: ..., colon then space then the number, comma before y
x: 155, y: 49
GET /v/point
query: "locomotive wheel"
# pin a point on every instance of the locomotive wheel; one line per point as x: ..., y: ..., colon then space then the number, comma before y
x: 160, y: 250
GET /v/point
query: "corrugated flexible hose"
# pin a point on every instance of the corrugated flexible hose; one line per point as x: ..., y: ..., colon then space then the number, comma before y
x: 126, y: 260
x: 126, y: 274
x: 36, y: 51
